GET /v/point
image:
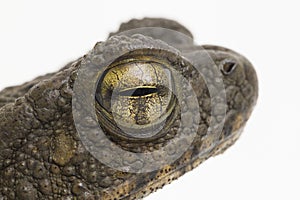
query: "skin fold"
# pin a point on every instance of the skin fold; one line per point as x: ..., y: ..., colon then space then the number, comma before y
x: 42, y: 155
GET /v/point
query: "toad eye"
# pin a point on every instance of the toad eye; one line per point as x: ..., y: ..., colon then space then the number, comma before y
x: 135, y: 97
x: 227, y: 66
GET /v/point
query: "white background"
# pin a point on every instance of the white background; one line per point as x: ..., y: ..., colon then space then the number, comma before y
x: 38, y: 37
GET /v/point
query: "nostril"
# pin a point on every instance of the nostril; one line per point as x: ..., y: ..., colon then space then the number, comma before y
x: 228, y: 66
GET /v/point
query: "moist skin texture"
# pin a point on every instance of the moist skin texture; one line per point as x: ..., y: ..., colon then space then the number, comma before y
x: 42, y: 156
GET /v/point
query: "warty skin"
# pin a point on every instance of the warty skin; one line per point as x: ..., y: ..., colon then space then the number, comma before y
x: 42, y: 155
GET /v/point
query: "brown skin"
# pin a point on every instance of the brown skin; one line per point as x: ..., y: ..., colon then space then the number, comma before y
x: 42, y: 156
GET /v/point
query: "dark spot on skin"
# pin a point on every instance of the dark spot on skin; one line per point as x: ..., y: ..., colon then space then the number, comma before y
x: 45, y: 186
x: 69, y: 170
x: 55, y: 169
x: 39, y: 171
x: 92, y: 177
x: 25, y: 190
x: 78, y: 188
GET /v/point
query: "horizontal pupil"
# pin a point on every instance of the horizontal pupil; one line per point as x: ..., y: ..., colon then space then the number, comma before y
x: 137, y: 92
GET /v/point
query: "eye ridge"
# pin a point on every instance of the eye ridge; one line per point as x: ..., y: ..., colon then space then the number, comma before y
x: 138, y: 92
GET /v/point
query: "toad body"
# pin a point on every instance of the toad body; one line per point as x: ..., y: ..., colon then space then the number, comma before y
x: 135, y: 113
